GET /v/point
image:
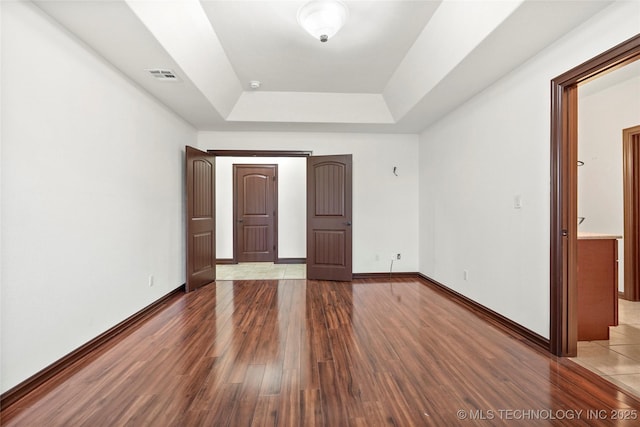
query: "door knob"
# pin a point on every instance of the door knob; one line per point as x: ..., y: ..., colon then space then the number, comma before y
x: 241, y: 220
x: 348, y: 223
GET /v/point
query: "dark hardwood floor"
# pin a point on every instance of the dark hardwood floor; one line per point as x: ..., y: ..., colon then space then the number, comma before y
x: 303, y: 353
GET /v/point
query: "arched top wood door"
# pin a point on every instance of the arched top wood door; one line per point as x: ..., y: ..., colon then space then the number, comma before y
x: 201, y: 218
x: 329, y: 217
x: 255, y: 194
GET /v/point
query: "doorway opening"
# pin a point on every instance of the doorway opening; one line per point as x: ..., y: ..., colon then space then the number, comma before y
x: 325, y: 197
x: 564, y: 215
x: 260, y: 202
x: 608, y: 320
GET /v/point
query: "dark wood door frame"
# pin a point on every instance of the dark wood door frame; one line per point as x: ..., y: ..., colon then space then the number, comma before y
x: 236, y: 214
x: 564, y: 144
x: 259, y: 153
x: 631, y: 178
x: 263, y: 153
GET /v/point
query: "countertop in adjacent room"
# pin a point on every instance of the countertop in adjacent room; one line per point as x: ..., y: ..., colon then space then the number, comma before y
x: 594, y: 236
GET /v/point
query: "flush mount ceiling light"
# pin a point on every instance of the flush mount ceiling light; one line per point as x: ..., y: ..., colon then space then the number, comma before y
x: 323, y: 18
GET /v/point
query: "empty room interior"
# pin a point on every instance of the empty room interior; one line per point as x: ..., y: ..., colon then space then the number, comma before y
x: 437, y: 202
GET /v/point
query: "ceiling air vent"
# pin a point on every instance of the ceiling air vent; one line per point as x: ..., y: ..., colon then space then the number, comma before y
x: 164, y: 74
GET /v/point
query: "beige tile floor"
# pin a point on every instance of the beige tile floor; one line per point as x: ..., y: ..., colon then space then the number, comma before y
x: 618, y: 358
x: 260, y: 270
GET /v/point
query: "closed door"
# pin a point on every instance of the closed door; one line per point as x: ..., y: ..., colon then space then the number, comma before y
x: 329, y: 218
x: 255, y: 203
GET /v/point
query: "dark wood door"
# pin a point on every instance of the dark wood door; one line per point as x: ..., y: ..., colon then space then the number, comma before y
x: 329, y: 218
x: 201, y: 219
x: 255, y: 202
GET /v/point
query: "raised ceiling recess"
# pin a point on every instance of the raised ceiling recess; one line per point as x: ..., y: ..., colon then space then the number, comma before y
x: 394, y: 66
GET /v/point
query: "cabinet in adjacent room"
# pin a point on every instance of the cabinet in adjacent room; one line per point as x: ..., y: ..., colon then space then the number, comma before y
x: 597, y: 285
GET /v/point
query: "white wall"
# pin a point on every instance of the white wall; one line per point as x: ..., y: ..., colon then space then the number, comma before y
x: 292, y: 202
x: 92, y: 195
x: 92, y: 189
x: 493, y: 148
x: 385, y: 206
x: 602, y: 117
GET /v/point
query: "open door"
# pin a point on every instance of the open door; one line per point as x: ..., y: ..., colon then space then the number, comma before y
x: 201, y: 219
x: 329, y: 218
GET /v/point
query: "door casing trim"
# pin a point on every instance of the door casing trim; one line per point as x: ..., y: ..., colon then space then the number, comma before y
x: 631, y: 169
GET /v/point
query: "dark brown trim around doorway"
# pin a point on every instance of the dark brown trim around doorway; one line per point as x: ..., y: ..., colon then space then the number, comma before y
x: 564, y: 116
x: 259, y: 153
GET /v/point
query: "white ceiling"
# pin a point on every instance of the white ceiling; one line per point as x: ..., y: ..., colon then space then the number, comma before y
x: 396, y: 66
x: 264, y: 42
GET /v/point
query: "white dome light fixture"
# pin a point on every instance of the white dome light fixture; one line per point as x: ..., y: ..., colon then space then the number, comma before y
x: 323, y: 18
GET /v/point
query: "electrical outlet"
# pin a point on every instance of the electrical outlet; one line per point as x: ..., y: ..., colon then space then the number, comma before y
x: 151, y: 280
x: 465, y: 275
x: 398, y: 256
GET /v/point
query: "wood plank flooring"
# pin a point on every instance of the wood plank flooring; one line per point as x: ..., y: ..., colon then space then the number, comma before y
x: 305, y: 353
